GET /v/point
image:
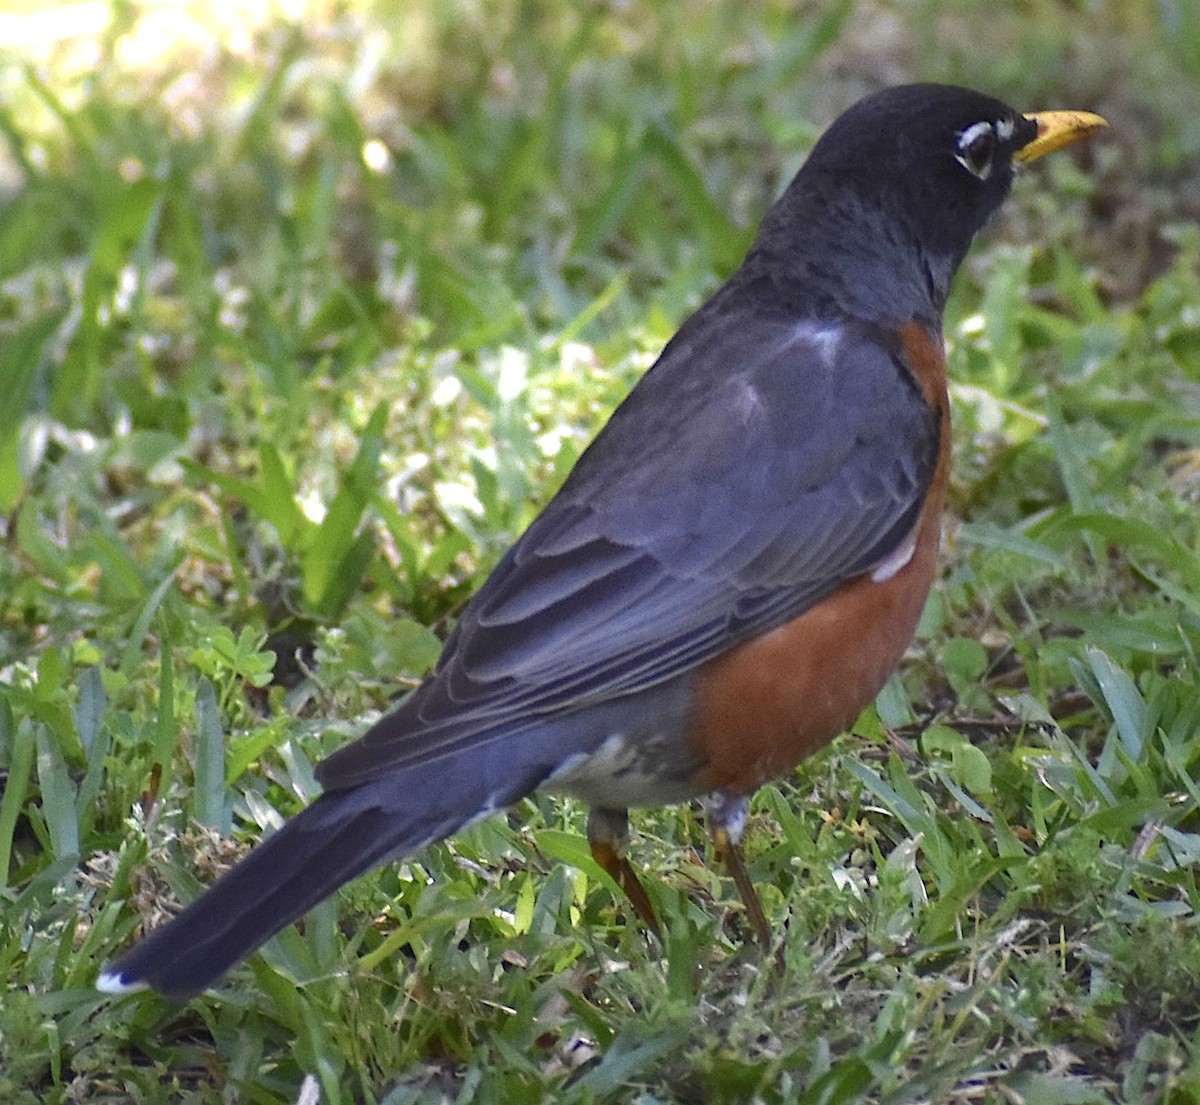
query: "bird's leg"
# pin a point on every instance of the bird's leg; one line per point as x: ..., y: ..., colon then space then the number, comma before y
x: 608, y: 836
x: 727, y: 822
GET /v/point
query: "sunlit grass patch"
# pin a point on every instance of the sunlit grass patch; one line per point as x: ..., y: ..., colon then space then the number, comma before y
x: 304, y: 310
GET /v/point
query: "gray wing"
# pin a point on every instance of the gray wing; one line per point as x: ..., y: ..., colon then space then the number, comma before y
x: 752, y: 471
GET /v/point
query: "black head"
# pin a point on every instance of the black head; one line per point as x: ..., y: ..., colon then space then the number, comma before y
x: 937, y: 157
x: 884, y: 209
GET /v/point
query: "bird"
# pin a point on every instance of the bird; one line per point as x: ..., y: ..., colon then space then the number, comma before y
x: 729, y: 574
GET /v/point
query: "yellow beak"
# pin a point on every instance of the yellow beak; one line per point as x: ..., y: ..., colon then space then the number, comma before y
x: 1057, y: 129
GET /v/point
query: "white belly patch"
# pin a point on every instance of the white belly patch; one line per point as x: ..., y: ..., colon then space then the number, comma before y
x: 617, y: 776
x: 896, y: 560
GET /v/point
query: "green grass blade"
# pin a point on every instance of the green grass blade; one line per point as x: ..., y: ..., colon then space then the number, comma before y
x: 23, y: 743
x: 726, y: 242
x: 59, y: 797
x: 335, y: 559
x: 1127, y: 706
x: 209, y: 803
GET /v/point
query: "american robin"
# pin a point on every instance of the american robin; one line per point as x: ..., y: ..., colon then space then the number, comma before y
x: 729, y: 574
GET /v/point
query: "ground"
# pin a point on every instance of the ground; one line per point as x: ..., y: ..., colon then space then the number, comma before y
x: 306, y: 307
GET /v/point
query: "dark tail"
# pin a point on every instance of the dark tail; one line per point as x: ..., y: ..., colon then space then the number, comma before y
x: 343, y: 834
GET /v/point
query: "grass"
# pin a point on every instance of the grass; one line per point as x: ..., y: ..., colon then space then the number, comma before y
x: 302, y: 318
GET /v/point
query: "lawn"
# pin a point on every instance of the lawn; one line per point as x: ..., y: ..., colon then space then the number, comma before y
x: 305, y: 308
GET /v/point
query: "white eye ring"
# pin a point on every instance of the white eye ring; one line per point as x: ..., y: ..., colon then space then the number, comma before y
x: 976, y: 146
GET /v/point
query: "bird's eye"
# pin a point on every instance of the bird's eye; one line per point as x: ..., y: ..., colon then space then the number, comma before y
x: 976, y: 147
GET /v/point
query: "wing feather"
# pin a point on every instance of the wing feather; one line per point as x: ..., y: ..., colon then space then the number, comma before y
x: 701, y: 515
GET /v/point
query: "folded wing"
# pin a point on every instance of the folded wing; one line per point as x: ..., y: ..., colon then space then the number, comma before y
x: 700, y: 516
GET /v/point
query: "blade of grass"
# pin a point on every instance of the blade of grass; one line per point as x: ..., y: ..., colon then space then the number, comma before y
x: 131, y: 656
x: 726, y: 242
x: 79, y: 378
x: 332, y: 552
x: 58, y: 795
x: 23, y: 743
x: 1072, y: 469
x: 96, y: 741
x: 1126, y: 705
x: 602, y: 221
x: 166, y: 728
x: 208, y: 801
x: 22, y: 358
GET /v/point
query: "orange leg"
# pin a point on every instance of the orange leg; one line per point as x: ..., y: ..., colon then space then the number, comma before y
x: 608, y: 836
x: 727, y: 822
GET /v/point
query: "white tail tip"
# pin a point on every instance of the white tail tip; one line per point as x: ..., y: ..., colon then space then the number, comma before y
x: 109, y: 983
